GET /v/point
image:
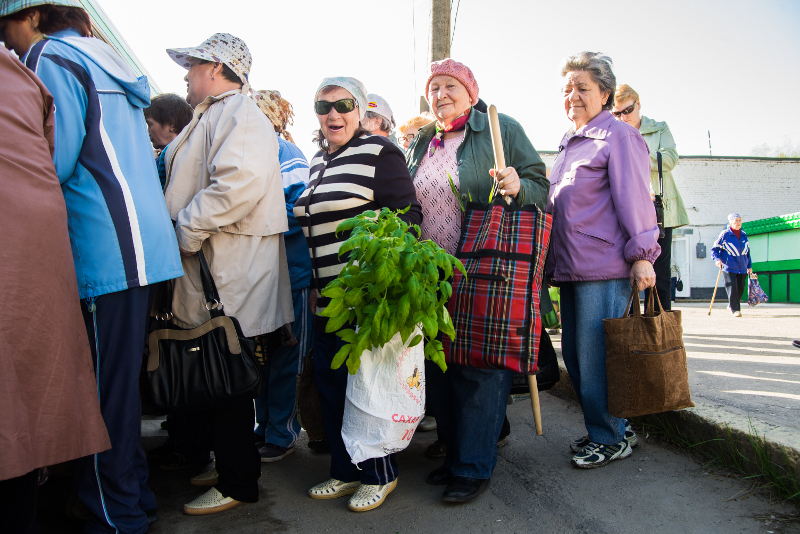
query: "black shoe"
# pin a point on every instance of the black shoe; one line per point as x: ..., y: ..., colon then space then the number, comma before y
x: 440, y: 476
x: 464, y: 489
x: 178, y: 461
x: 162, y: 452
x: 320, y: 445
x: 796, y: 343
x: 437, y: 449
x: 152, y: 518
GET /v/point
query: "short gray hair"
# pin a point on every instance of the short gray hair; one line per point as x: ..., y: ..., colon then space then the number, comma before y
x: 385, y: 126
x: 599, y: 67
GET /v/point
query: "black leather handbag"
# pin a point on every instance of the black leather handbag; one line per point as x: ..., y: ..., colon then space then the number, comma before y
x: 207, y: 367
x: 659, y: 201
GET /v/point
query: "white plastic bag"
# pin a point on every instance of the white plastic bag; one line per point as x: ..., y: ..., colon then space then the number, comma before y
x: 385, y: 400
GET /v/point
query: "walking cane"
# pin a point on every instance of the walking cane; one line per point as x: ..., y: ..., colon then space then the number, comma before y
x: 715, y: 291
x: 500, y: 163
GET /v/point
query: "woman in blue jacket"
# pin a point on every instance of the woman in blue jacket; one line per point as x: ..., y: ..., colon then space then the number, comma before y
x: 731, y: 253
x: 120, y: 232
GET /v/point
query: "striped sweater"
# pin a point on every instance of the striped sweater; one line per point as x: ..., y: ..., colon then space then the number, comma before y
x: 368, y: 173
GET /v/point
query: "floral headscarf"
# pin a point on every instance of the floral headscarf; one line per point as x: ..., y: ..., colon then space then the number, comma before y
x: 277, y: 109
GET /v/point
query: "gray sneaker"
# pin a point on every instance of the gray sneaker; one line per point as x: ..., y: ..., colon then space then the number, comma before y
x: 596, y: 455
x: 630, y: 436
x: 273, y: 453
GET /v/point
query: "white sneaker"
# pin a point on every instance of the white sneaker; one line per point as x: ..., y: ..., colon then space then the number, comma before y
x: 209, y: 478
x: 427, y: 424
x: 332, y: 489
x: 369, y: 497
x: 737, y: 314
x: 211, y: 502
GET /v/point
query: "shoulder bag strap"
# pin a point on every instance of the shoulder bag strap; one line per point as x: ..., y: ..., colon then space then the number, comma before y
x: 660, y: 176
x: 213, y: 304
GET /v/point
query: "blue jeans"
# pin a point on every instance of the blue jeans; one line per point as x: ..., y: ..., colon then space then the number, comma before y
x: 469, y: 405
x: 276, y: 407
x: 584, y: 305
x: 332, y: 386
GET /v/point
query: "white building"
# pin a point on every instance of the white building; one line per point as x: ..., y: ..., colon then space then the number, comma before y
x: 713, y: 187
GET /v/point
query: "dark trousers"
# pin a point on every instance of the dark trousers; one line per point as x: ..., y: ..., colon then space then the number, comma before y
x: 238, y: 461
x: 735, y: 284
x: 18, y: 503
x: 332, y: 386
x: 470, y: 406
x: 113, y: 483
x: 663, y: 275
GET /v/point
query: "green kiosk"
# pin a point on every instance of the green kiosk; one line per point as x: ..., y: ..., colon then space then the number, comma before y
x: 775, y: 251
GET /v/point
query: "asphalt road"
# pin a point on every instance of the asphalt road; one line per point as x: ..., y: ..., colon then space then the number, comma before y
x: 534, y: 489
x: 746, y: 369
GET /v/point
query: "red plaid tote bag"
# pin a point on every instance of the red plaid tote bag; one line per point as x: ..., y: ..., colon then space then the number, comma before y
x: 495, y: 309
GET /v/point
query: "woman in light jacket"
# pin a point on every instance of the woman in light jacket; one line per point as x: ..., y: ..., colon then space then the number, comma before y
x: 628, y: 108
x: 225, y: 194
x: 603, y: 243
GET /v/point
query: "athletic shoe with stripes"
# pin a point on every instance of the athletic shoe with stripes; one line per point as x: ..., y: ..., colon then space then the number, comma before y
x: 630, y: 436
x: 596, y: 455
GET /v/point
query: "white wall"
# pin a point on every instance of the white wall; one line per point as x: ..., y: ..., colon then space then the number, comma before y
x: 756, y: 188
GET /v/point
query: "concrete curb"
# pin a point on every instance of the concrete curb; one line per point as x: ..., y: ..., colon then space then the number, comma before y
x: 704, y: 425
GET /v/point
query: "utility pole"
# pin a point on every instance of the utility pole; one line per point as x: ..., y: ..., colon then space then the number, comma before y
x: 440, y: 36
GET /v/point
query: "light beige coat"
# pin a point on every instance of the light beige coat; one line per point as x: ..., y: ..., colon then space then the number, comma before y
x: 225, y: 193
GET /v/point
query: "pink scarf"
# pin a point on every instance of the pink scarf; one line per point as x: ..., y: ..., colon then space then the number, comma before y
x: 457, y: 125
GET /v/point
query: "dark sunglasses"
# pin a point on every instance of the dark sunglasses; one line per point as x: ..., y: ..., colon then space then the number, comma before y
x: 345, y: 105
x: 626, y: 111
x: 409, y: 137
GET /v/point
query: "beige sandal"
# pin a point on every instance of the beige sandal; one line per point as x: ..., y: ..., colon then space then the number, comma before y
x: 333, y: 489
x: 211, y: 502
x: 369, y: 497
x: 209, y: 478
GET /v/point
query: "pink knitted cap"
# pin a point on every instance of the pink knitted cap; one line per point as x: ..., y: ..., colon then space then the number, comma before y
x: 459, y: 71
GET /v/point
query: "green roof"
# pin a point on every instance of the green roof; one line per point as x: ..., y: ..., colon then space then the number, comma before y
x: 104, y: 29
x: 773, y: 224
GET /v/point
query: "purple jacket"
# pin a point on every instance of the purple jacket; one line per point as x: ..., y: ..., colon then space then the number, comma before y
x: 603, y: 217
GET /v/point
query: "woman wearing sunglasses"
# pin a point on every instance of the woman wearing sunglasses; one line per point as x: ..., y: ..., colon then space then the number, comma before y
x: 603, y: 243
x: 628, y: 108
x: 408, y: 130
x: 352, y: 172
x: 469, y: 404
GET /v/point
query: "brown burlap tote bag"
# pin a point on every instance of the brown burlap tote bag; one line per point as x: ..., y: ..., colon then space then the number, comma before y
x: 309, y: 406
x: 646, y: 361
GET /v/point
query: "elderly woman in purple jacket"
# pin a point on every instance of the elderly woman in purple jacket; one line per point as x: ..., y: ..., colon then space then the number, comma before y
x: 603, y: 243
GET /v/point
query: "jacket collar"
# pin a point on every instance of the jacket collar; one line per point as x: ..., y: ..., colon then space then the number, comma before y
x: 205, y: 104
x: 648, y: 125
x: 597, y: 128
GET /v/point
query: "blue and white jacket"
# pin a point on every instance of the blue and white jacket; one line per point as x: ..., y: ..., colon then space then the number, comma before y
x: 734, y: 253
x: 294, y: 175
x: 119, y: 227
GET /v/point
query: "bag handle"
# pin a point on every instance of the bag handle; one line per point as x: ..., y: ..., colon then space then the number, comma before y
x: 636, y: 310
x: 213, y: 304
x: 660, y: 176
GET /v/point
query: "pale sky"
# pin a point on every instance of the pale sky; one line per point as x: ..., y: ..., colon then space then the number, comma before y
x: 730, y: 66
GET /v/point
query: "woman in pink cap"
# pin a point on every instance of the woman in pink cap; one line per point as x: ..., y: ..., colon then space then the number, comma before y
x: 469, y: 404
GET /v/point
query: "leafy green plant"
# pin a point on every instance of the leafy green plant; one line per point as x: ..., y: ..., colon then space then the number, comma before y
x: 389, y: 285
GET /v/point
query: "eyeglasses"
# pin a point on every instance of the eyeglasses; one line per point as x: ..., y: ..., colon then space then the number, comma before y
x: 345, y: 105
x: 407, y: 137
x: 626, y: 111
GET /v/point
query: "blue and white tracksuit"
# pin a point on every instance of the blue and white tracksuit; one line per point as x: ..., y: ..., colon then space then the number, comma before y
x: 276, y: 407
x: 122, y: 241
x: 733, y: 252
